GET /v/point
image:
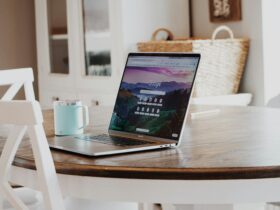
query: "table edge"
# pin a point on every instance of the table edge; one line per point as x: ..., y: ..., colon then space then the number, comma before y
x: 220, y: 173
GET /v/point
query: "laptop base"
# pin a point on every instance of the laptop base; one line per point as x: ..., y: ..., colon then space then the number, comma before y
x: 92, y: 148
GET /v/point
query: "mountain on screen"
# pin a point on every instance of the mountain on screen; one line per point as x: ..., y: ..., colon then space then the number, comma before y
x: 163, y: 86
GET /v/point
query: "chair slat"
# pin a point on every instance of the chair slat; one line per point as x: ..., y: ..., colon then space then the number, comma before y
x: 13, y: 76
x: 29, y: 91
x: 10, y: 149
x: 45, y: 168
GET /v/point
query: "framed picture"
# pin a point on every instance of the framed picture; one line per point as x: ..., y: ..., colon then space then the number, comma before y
x: 225, y: 10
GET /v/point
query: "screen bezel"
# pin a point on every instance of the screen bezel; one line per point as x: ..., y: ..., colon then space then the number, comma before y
x: 148, y: 137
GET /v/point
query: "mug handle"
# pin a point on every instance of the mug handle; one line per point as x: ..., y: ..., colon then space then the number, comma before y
x: 85, y: 116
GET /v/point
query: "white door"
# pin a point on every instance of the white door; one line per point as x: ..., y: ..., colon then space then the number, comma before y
x: 111, y: 28
x: 99, y: 55
x: 82, y: 45
x: 54, y: 50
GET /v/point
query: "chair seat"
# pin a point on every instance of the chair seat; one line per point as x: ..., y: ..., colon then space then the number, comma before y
x: 33, y: 199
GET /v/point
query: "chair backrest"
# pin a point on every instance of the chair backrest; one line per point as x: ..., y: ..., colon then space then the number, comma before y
x: 26, y: 116
x: 17, y: 78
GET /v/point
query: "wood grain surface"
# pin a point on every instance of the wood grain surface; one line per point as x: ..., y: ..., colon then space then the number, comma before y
x: 237, y: 143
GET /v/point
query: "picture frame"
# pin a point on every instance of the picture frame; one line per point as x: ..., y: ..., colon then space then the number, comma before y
x: 225, y: 10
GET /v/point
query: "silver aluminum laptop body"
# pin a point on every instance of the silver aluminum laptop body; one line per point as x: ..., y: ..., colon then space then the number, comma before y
x: 177, y: 72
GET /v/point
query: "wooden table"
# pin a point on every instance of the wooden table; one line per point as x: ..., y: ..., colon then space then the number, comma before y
x: 233, y: 156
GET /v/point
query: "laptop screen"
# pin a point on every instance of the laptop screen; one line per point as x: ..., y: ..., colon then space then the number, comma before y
x: 154, y: 94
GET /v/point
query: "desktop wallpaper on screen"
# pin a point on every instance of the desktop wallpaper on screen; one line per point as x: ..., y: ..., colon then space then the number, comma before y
x: 154, y: 95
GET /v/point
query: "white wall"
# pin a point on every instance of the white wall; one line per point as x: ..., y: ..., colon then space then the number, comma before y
x: 271, y: 47
x: 250, y: 26
x: 142, y: 18
x: 17, y: 37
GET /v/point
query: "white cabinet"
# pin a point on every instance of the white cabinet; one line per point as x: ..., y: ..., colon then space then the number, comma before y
x: 75, y: 37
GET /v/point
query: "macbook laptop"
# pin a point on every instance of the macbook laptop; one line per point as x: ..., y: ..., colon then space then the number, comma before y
x: 150, y: 109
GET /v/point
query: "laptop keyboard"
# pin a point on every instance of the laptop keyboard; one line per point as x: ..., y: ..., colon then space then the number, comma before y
x: 117, y: 141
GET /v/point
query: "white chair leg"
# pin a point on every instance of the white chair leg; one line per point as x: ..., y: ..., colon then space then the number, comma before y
x: 48, y: 181
x: 9, y: 151
x: 7, y: 158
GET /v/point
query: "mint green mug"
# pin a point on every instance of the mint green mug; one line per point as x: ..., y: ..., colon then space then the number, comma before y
x: 70, y: 117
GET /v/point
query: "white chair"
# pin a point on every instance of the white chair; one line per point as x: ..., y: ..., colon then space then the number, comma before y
x: 26, y: 116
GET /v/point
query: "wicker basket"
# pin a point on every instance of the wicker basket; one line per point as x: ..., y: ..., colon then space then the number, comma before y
x: 222, y: 60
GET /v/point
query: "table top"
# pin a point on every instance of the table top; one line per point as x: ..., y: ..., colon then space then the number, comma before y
x: 237, y: 143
